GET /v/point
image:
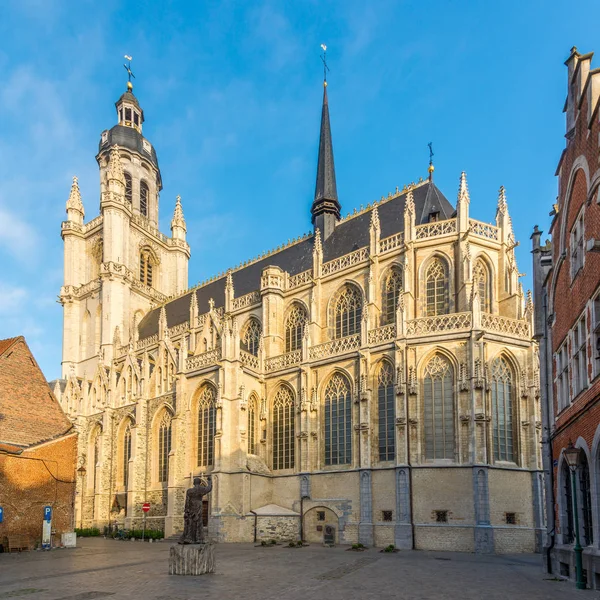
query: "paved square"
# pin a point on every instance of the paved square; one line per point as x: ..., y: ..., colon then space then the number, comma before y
x: 113, y: 570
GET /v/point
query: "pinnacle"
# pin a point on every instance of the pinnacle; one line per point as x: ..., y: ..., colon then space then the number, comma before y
x: 502, y: 206
x: 74, y: 202
x: 178, y: 218
x: 375, y: 219
x: 115, y: 168
x: 410, y: 201
x: 318, y: 248
x: 463, y: 189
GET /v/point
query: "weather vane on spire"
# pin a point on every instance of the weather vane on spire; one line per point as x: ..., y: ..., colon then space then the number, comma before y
x: 129, y: 72
x: 431, y: 167
x: 325, y: 67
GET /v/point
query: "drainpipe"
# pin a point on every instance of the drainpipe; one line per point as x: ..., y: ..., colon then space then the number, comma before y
x: 255, y: 525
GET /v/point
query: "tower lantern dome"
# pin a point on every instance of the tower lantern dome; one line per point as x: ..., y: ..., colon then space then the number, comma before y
x: 129, y: 111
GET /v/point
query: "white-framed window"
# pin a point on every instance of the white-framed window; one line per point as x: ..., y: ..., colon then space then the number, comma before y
x: 562, y: 377
x: 577, y: 245
x: 595, y: 329
x: 579, y: 356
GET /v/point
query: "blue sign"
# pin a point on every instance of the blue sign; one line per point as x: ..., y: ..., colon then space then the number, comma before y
x: 1, y: 514
x: 48, y: 513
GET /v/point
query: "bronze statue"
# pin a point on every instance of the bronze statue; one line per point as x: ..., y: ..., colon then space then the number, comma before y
x: 193, y: 531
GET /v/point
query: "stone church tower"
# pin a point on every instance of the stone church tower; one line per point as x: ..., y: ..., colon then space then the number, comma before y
x: 118, y: 266
x: 372, y: 381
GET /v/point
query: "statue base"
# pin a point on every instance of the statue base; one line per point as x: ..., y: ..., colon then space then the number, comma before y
x: 192, y: 559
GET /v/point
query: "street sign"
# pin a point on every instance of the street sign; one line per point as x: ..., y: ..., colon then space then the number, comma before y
x: 47, y: 528
x: 48, y: 513
x: 146, y: 507
x: 1, y: 514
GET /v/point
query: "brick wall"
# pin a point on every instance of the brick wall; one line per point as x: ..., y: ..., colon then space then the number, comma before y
x: 34, y: 479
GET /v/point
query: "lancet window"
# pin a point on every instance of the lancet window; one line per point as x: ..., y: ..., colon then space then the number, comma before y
x: 144, y: 196
x: 438, y: 408
x: 164, y: 447
x: 251, y: 337
x: 502, y: 384
x: 392, y: 289
x: 482, y: 281
x: 294, y: 328
x: 283, y: 429
x: 126, y: 454
x: 252, y: 408
x: 437, y: 295
x: 386, y: 401
x: 206, y: 426
x: 128, y: 187
x: 146, y: 267
x: 347, y: 312
x: 338, y: 421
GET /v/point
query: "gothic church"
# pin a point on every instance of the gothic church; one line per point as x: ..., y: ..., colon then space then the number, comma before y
x: 375, y: 381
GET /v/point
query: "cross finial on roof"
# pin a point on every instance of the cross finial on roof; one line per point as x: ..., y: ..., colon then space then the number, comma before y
x: 325, y: 67
x: 129, y: 72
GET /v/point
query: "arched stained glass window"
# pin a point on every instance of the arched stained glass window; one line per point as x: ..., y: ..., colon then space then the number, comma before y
x: 294, y: 328
x: 436, y: 289
x: 338, y: 421
x: 438, y: 408
x: 252, y: 408
x: 126, y: 454
x: 128, y: 187
x: 164, y: 447
x: 251, y: 337
x: 481, y: 280
x: 283, y: 429
x: 387, y: 412
x: 391, y: 293
x: 586, y: 501
x: 347, y: 312
x: 206, y: 426
x: 144, y: 197
x: 502, y: 410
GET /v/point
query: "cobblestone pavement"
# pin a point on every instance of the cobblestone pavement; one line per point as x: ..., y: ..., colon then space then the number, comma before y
x: 113, y: 570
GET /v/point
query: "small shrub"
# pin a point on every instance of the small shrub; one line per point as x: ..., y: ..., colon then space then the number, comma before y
x: 263, y: 543
x: 360, y: 545
x: 87, y: 532
x: 390, y: 548
x: 292, y: 544
x: 355, y: 546
x: 300, y: 543
x: 273, y: 542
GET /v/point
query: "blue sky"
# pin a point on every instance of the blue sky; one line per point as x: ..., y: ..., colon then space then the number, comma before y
x: 231, y: 93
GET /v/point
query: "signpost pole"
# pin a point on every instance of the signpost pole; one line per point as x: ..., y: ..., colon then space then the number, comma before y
x: 145, y: 508
x: 144, y: 528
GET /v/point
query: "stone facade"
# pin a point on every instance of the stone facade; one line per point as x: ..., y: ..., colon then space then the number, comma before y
x: 317, y: 389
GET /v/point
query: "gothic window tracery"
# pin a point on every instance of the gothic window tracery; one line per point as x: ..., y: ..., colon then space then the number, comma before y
x: 164, y: 447
x: 126, y: 454
x: 438, y: 408
x: 128, y: 187
x: 251, y: 337
x: 391, y: 293
x: 338, y: 421
x: 387, y: 412
x: 294, y: 328
x: 347, y: 312
x: 437, y: 295
x: 206, y: 425
x: 146, y: 266
x: 502, y: 389
x: 252, y: 407
x: 144, y: 197
x: 283, y: 429
x: 481, y: 280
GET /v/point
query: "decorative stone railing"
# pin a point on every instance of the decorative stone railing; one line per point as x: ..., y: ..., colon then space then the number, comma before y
x: 434, y: 229
x: 177, y: 329
x: 289, y: 359
x: 300, y: 279
x: 439, y: 323
x: 93, y: 223
x: 82, y: 290
x: 149, y: 291
x: 66, y: 225
x: 335, y: 347
x: 382, y: 334
x: 507, y: 325
x: 149, y: 341
x: 484, y: 230
x: 249, y: 360
x: 203, y: 360
x: 145, y: 224
x: 247, y: 300
x: 391, y: 243
x: 343, y: 262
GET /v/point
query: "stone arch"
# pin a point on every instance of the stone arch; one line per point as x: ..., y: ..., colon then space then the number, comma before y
x: 283, y: 426
x: 580, y: 164
x: 162, y: 430
x: 316, y: 520
x: 204, y: 411
x: 565, y: 508
x: 94, y: 457
x: 437, y: 256
x: 351, y: 293
x: 295, y: 320
x: 125, y: 449
x: 252, y: 425
x: 251, y: 335
x: 391, y: 284
x: 488, y: 265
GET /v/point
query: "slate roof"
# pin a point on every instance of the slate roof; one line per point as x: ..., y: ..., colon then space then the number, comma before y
x: 29, y: 412
x: 349, y: 235
x: 130, y: 138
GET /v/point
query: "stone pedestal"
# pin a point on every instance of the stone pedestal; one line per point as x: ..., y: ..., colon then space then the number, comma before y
x: 192, y: 559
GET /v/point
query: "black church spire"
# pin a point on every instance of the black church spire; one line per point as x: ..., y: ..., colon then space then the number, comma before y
x: 326, y: 207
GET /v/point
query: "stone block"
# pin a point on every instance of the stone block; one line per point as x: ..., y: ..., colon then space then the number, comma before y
x: 192, y: 559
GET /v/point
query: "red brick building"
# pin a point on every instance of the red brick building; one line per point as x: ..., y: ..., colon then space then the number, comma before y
x: 38, y: 449
x: 567, y: 323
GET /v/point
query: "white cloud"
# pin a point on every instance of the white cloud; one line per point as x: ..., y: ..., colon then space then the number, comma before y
x: 11, y: 299
x: 17, y: 237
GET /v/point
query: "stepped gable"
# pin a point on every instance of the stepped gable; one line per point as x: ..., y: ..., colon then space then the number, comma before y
x: 348, y: 235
